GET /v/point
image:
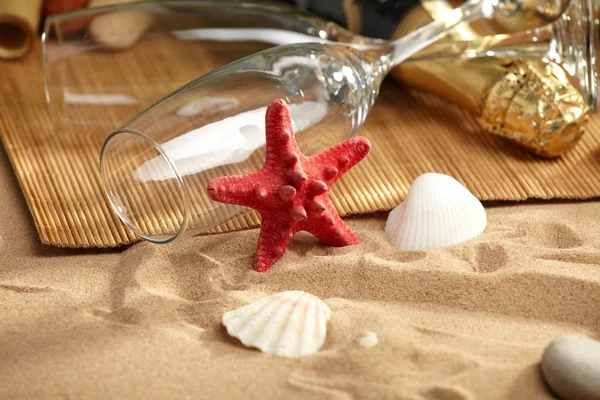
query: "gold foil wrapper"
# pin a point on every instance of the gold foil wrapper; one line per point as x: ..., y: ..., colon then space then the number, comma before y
x: 534, y: 105
x: 529, y: 101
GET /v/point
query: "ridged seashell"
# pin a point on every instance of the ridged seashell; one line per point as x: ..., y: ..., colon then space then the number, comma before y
x: 290, y: 324
x: 438, y: 211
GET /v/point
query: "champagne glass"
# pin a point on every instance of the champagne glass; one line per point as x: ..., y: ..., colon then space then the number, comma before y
x: 528, y: 99
x: 81, y: 49
x: 569, y: 40
x: 89, y: 55
x: 91, y: 83
x: 155, y: 168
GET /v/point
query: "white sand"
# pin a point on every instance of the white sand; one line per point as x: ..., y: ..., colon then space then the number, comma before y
x: 467, y: 322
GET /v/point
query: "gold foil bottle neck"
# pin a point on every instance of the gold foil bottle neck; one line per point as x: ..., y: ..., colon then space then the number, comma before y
x: 529, y: 101
x: 535, y: 105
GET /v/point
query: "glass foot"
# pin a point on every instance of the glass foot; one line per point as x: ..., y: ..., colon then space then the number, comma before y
x: 575, y: 34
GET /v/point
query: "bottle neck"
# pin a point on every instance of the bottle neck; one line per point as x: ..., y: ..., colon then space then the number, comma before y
x: 538, y: 43
x: 570, y: 41
x: 401, y: 49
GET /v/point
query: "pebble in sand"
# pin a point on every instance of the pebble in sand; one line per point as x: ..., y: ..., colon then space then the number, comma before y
x: 571, y: 367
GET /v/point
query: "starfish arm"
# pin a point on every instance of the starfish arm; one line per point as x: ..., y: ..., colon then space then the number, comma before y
x: 336, y: 161
x: 274, y: 239
x: 234, y: 189
x: 336, y: 234
x: 279, y: 134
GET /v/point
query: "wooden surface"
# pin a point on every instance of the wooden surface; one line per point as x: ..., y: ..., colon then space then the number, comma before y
x: 411, y: 133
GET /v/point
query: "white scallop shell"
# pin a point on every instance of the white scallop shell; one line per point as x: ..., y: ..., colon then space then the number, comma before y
x: 291, y: 324
x: 438, y: 211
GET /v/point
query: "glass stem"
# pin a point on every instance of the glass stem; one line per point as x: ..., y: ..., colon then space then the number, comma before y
x: 404, y: 47
x: 537, y: 43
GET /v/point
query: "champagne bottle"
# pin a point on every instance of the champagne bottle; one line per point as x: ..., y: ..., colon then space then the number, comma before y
x: 528, y: 100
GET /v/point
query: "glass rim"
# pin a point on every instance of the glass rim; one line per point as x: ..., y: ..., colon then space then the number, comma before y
x: 180, y: 182
x: 58, y: 17
x: 160, y: 5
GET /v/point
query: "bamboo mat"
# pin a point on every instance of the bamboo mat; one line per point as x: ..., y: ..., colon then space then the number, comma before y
x: 411, y: 132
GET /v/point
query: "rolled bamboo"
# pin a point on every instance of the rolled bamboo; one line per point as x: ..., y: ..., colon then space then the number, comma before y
x: 19, y: 22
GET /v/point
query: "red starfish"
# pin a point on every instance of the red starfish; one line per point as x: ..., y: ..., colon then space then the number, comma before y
x: 291, y: 191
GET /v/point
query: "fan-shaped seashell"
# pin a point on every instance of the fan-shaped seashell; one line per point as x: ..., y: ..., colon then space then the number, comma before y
x: 291, y: 324
x: 438, y: 211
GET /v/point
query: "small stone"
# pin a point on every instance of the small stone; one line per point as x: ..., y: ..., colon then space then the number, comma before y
x: 571, y: 367
x: 369, y: 340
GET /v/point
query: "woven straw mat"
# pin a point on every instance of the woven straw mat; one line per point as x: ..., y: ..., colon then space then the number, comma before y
x: 412, y: 133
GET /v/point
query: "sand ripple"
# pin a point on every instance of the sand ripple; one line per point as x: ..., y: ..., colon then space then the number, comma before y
x: 461, y: 323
